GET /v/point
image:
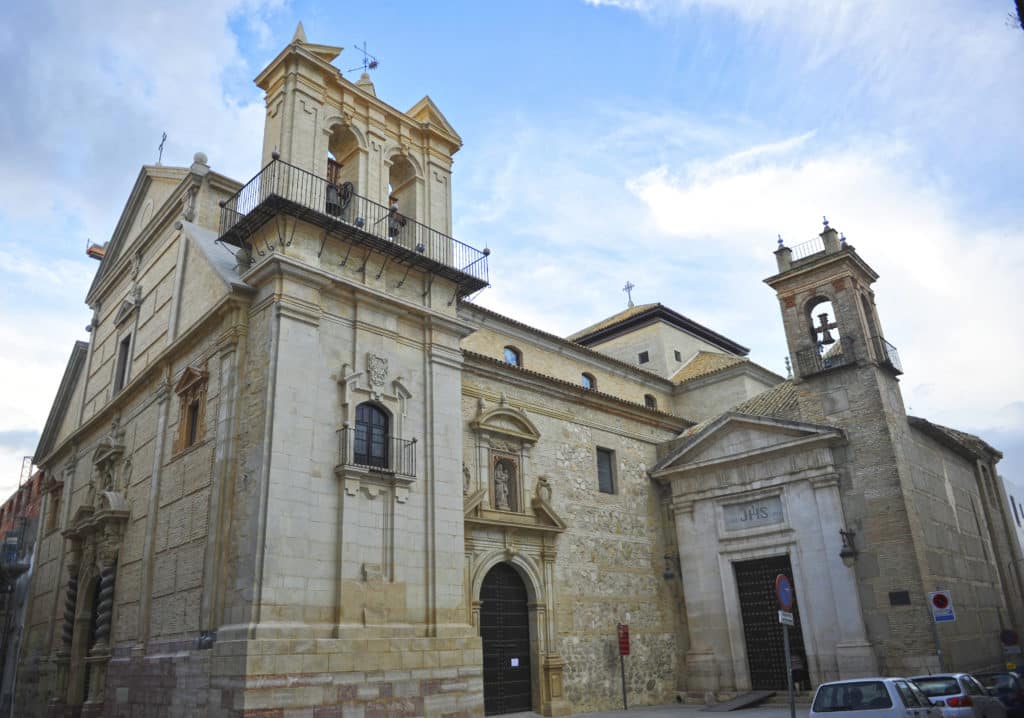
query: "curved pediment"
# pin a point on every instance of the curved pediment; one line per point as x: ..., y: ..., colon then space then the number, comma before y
x: 507, y: 421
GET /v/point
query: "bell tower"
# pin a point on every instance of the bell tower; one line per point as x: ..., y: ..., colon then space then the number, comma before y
x: 828, y: 308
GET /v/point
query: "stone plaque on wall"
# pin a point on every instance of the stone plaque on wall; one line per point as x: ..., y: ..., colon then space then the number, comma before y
x: 751, y: 514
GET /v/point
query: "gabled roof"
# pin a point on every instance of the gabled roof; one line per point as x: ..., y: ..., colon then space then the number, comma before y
x: 426, y: 111
x: 784, y: 435
x: 703, y: 363
x: 778, y: 402
x: 644, y: 314
x: 968, y: 445
x: 114, y: 247
x: 60, y: 403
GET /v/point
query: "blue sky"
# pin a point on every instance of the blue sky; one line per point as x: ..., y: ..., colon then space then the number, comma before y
x: 665, y: 142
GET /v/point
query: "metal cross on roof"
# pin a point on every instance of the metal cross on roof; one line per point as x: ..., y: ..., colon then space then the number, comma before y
x: 160, y: 156
x: 628, y: 289
x: 369, y: 61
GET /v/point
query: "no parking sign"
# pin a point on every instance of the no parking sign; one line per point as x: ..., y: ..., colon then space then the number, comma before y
x: 941, y: 604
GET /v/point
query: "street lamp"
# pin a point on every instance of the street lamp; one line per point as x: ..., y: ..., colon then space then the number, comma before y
x: 849, y: 551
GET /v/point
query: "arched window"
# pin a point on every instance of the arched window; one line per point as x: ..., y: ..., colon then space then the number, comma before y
x: 650, y: 401
x: 589, y: 382
x: 371, y: 444
x: 513, y: 356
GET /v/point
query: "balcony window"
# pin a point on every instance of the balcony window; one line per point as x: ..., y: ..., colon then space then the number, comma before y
x: 371, y: 439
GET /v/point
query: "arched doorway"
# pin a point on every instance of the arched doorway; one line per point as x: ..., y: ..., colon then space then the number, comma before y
x: 505, y: 633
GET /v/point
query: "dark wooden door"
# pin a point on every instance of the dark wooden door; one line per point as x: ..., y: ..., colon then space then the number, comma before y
x: 766, y: 656
x: 505, y: 630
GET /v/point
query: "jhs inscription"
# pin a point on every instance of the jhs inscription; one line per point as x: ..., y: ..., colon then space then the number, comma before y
x: 756, y: 513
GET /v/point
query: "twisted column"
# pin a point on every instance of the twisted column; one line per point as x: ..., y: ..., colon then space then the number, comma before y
x: 70, y: 601
x: 105, y: 605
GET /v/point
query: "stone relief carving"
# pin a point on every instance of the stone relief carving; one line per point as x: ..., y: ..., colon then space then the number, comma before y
x: 377, y: 368
x: 506, y: 486
x: 466, y: 480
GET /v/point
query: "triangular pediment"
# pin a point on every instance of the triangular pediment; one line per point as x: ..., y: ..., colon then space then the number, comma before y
x: 507, y: 421
x: 189, y: 378
x: 127, y: 308
x: 734, y: 437
x: 425, y: 111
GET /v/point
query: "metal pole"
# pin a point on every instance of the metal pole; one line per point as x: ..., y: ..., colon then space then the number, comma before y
x: 789, y: 670
x: 935, y: 635
x: 622, y: 664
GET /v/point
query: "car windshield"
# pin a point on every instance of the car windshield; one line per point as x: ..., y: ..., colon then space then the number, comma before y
x: 938, y: 686
x: 863, y: 695
x: 1000, y: 681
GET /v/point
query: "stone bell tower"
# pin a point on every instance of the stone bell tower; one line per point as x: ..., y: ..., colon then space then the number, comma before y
x: 845, y: 374
x: 323, y: 123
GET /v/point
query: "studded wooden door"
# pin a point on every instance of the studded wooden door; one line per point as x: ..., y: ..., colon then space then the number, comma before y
x: 766, y: 657
x: 505, y: 632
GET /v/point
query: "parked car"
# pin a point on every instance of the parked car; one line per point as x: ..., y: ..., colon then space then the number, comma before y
x: 1008, y: 688
x: 960, y: 696
x: 872, y: 698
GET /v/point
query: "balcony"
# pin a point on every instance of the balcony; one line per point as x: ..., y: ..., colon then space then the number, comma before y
x: 386, y: 455
x: 282, y: 188
x: 887, y: 355
x: 825, y: 357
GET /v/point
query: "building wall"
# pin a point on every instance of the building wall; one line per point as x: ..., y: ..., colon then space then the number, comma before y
x: 660, y: 341
x: 610, y: 558
x: 707, y: 397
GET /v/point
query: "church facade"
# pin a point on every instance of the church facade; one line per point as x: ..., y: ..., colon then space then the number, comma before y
x: 295, y: 469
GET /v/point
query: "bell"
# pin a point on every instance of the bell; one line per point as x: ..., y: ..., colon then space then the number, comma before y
x: 826, y: 337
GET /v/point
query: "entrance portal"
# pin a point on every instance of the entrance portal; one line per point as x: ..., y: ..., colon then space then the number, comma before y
x: 505, y: 631
x: 766, y: 657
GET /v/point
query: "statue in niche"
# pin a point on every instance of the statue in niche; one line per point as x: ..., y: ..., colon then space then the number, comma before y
x: 504, y: 478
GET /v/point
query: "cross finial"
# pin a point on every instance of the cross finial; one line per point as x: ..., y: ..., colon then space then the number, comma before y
x: 369, y: 61
x: 160, y: 156
x: 628, y: 289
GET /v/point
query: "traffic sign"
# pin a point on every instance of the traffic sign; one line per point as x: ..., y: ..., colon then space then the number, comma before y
x: 941, y: 604
x: 784, y: 592
x: 786, y: 618
x: 623, y: 639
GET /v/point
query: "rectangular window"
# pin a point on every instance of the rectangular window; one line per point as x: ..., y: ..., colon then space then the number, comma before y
x: 644, y: 357
x: 121, y: 369
x: 679, y: 357
x: 899, y: 598
x: 606, y: 470
x: 53, y: 517
x: 192, y: 428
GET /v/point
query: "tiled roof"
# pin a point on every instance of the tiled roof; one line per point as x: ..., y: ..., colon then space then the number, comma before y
x: 612, y: 320
x: 968, y: 444
x: 779, y: 402
x: 704, y: 363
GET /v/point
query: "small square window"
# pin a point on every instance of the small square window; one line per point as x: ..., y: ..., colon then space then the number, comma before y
x: 650, y: 401
x: 605, y: 470
x: 589, y: 382
x: 899, y: 598
x: 679, y: 357
x: 513, y: 356
x: 644, y: 357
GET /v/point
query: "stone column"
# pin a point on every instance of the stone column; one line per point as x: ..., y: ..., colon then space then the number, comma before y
x: 67, y: 631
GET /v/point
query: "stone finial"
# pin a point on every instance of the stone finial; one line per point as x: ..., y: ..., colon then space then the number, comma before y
x: 200, y: 158
x: 365, y: 84
x: 300, y: 33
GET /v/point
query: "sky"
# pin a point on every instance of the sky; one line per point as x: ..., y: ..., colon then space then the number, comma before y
x: 662, y: 142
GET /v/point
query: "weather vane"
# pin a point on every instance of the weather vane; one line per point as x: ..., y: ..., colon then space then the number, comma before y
x: 160, y: 157
x: 369, y: 61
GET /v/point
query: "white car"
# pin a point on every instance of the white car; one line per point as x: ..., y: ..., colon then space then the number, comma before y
x: 872, y: 698
x: 960, y: 696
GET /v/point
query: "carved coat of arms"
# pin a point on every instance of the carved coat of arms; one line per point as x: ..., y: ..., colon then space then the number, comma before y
x: 377, y: 369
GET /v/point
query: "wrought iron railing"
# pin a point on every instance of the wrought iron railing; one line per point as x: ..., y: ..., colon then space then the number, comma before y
x: 806, y: 249
x: 388, y: 453
x: 823, y: 357
x: 285, y: 182
x: 887, y: 354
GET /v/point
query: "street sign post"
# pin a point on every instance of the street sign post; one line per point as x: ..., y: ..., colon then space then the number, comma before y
x: 785, y: 596
x: 623, y: 652
x: 940, y: 603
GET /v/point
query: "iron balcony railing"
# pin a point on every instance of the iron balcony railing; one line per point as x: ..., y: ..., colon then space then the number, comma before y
x: 806, y: 249
x: 281, y: 186
x: 825, y: 356
x: 361, y: 448
x: 887, y: 354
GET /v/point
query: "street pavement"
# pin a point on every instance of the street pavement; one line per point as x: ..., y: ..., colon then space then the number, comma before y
x: 677, y: 710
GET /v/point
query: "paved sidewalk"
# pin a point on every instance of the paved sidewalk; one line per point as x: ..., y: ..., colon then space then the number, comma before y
x: 676, y: 710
